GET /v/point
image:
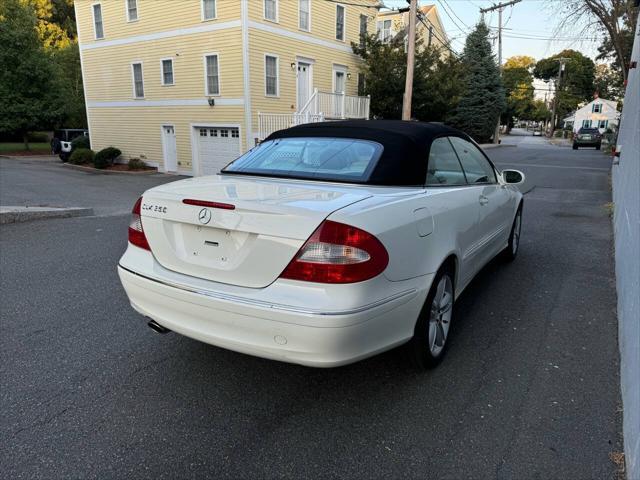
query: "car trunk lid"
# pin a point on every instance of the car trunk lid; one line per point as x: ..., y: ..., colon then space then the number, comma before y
x: 251, y: 233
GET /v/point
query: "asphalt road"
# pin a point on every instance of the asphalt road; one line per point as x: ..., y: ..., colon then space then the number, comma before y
x: 46, y: 182
x: 529, y: 388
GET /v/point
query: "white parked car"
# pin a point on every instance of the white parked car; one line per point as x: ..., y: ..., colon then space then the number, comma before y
x: 326, y: 244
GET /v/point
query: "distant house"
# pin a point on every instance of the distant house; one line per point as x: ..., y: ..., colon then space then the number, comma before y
x: 599, y: 113
x: 393, y: 23
x: 189, y: 85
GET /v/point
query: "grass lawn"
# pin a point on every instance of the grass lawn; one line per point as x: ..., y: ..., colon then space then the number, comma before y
x: 17, y: 147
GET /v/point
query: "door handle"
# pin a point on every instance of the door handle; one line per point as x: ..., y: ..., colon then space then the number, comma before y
x: 483, y: 200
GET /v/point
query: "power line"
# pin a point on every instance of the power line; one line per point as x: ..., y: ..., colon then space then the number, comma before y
x: 446, y: 44
x: 377, y: 7
x: 445, y: 5
x: 510, y: 14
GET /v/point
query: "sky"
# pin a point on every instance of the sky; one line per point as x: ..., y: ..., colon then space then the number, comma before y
x: 534, y: 19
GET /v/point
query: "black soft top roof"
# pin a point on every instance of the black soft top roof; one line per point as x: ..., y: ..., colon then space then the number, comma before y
x: 406, y: 145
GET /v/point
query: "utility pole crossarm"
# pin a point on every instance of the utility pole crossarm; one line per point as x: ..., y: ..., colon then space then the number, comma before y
x: 500, y: 5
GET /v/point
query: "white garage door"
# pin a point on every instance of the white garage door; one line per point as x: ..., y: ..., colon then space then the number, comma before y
x: 217, y: 146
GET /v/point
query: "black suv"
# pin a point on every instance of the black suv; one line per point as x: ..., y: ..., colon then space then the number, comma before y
x: 587, y: 137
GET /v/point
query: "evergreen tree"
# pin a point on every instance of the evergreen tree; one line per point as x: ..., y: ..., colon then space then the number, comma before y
x: 484, y: 97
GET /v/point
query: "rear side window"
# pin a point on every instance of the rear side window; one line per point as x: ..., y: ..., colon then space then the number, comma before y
x: 331, y: 159
x: 443, y: 167
x: 475, y: 165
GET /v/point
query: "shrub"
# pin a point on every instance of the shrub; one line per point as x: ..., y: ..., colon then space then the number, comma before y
x: 80, y: 142
x: 136, y: 164
x: 106, y: 157
x: 81, y: 156
x: 38, y: 137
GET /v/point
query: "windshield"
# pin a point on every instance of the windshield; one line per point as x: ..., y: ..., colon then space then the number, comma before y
x: 589, y: 130
x: 330, y: 159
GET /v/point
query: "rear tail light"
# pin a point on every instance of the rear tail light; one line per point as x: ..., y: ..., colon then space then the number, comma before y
x: 136, y: 232
x: 338, y: 253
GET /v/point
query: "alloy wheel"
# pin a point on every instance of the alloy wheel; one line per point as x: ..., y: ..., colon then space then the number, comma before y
x: 440, y: 315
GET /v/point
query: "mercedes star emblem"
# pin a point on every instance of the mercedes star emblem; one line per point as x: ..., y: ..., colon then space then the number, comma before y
x: 204, y: 216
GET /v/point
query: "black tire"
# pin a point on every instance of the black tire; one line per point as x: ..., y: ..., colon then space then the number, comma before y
x: 509, y: 254
x: 575, y: 146
x: 419, y: 350
x: 598, y: 146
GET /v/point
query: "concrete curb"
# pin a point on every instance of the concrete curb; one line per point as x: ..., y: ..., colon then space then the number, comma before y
x: 26, y: 214
x: 82, y: 168
x: 487, y: 146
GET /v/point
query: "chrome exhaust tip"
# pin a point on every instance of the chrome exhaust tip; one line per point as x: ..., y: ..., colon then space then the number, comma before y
x: 156, y: 327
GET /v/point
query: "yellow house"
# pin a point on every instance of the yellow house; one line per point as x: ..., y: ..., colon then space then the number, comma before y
x: 429, y: 26
x: 188, y: 85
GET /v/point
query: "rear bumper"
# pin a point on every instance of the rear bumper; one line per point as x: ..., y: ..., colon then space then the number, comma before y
x: 310, y: 332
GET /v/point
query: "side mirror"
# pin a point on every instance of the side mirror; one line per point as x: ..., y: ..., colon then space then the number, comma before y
x: 513, y: 177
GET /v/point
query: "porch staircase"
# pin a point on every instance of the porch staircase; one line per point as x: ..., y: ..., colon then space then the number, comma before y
x: 321, y: 106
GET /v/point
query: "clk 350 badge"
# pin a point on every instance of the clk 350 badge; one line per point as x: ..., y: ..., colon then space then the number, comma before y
x: 154, y: 208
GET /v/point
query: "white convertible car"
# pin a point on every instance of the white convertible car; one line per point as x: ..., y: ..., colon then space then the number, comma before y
x: 326, y: 244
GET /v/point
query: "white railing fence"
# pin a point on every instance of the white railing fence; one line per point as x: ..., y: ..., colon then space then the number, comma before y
x: 341, y: 105
x: 320, y: 106
x: 272, y: 122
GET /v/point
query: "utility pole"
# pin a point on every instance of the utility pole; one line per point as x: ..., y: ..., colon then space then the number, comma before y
x: 499, y: 7
x: 562, y: 61
x: 411, y: 51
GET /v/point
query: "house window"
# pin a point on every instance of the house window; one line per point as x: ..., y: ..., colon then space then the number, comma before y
x: 271, y: 75
x: 596, y: 108
x: 586, y: 123
x: 304, y: 15
x: 213, y: 132
x: 361, y: 85
x: 212, y: 75
x: 235, y: 133
x: 97, y: 21
x: 167, y: 71
x: 203, y: 132
x: 271, y: 10
x: 132, y: 10
x: 208, y: 9
x: 138, y: 81
x: 384, y: 31
x: 363, y: 29
x: 340, y: 23
x: 603, y: 124
x: 224, y: 133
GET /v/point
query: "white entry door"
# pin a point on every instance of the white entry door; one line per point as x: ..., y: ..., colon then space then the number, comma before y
x: 338, y: 87
x: 304, y: 83
x: 217, y: 146
x: 169, y: 148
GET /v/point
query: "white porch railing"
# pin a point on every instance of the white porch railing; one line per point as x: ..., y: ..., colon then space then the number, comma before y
x: 320, y: 106
x: 272, y: 122
x: 342, y: 106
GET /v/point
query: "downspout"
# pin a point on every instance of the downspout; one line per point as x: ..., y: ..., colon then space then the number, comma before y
x: 84, y: 77
x: 244, y: 21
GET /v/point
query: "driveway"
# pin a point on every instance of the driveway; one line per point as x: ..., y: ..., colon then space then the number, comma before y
x: 529, y: 388
x: 45, y: 181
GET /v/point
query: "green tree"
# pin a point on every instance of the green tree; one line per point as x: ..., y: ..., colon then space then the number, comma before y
x: 484, y: 97
x: 436, y: 80
x: 29, y: 89
x: 56, y: 22
x: 577, y: 83
x: 69, y: 72
x: 518, y: 83
x: 616, y: 19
